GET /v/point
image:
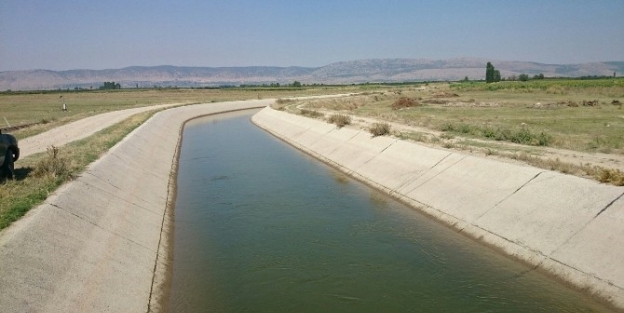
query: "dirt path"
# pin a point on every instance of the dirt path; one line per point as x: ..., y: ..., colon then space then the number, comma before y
x: 504, y: 151
x: 611, y: 161
x: 80, y: 129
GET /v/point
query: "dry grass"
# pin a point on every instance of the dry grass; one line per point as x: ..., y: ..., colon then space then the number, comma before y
x: 44, y: 108
x: 541, y: 115
x: 54, y: 165
x: 610, y: 176
x: 340, y: 120
x: 39, y: 175
x: 311, y: 113
x: 379, y: 129
x: 584, y: 116
x: 403, y: 103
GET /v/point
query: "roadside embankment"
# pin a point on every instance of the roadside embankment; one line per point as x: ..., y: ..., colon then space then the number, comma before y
x: 100, y: 242
x: 569, y: 227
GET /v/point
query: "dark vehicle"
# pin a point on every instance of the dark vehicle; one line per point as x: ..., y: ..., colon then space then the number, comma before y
x: 9, y: 153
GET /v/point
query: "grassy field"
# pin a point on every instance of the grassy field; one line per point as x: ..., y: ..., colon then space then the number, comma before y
x: 534, y: 122
x: 45, y: 107
x: 568, y: 114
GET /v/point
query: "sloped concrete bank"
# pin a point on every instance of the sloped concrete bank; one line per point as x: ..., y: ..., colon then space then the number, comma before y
x: 100, y: 243
x: 570, y: 227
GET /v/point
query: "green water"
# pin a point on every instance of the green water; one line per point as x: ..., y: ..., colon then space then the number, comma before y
x: 262, y: 227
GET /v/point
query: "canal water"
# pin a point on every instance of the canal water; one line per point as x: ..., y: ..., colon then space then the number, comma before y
x: 262, y: 227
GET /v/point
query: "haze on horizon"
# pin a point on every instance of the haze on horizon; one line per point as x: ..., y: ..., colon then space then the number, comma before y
x: 66, y: 34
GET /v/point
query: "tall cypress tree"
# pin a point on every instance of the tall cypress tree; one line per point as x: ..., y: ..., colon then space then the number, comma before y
x: 489, y: 73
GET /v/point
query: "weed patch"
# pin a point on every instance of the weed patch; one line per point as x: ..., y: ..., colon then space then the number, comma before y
x: 520, y: 135
x: 53, y: 165
x: 404, y: 102
x: 340, y: 120
x: 379, y: 129
x: 610, y: 176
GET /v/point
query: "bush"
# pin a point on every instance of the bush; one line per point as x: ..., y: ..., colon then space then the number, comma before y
x: 379, y: 129
x: 404, y: 102
x: 339, y: 119
x: 615, y: 177
x: 516, y: 135
x: 489, y: 132
x: 53, y: 165
x: 522, y: 136
x: 544, y: 139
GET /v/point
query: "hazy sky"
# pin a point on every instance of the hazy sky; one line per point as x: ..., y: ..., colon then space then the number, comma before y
x: 81, y: 34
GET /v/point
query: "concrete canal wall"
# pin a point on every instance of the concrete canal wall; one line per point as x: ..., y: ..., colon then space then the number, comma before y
x: 100, y: 243
x: 570, y: 227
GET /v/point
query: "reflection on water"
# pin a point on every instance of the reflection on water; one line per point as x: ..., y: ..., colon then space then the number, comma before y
x: 261, y: 227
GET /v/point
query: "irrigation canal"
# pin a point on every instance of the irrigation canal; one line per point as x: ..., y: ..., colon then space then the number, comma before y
x: 262, y: 227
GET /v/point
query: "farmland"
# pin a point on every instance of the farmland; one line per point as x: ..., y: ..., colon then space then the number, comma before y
x: 43, y: 109
x: 575, y: 126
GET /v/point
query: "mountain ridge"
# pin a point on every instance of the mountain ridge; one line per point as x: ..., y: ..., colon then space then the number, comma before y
x: 345, y: 72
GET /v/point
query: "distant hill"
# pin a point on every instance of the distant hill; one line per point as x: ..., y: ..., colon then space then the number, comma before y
x: 361, y: 71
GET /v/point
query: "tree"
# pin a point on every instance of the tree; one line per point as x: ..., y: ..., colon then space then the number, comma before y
x: 296, y: 84
x: 110, y: 85
x: 497, y: 76
x: 489, y: 73
x: 538, y: 76
x: 523, y: 77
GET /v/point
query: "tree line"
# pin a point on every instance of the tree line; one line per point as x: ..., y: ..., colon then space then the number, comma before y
x: 493, y: 75
x: 110, y: 85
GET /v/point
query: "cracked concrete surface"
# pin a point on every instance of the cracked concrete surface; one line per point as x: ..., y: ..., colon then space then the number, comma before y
x: 99, y: 243
x: 570, y: 227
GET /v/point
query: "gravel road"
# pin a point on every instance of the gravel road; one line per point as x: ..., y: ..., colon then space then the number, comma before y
x: 80, y: 129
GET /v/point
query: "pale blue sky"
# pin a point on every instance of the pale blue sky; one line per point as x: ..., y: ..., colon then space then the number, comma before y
x: 81, y: 34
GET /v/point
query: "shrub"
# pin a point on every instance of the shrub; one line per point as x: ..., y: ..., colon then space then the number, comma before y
x: 489, y: 132
x: 339, y: 119
x: 53, y: 165
x: 544, y: 139
x: 404, y: 102
x: 379, y: 129
x: 522, y: 136
x: 615, y: 177
x: 465, y: 129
